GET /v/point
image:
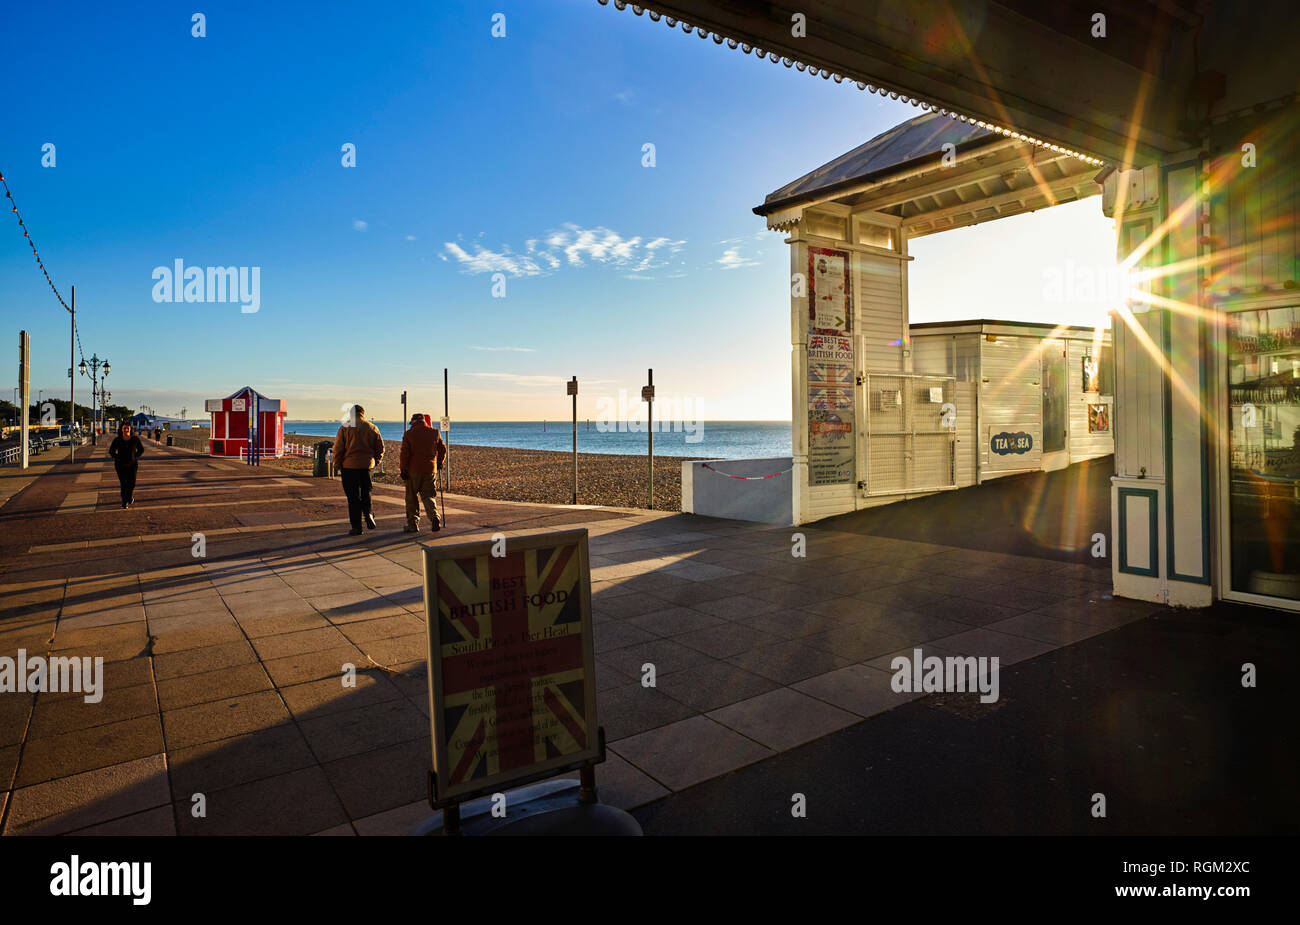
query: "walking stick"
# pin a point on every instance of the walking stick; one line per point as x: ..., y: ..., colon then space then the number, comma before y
x: 442, y: 496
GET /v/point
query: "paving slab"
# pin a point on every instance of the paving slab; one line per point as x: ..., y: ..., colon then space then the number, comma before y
x: 783, y: 718
x: 84, y: 799
x: 362, y: 729
x: 296, y: 803
x: 713, y: 684
x: 49, y: 757
x: 329, y: 695
x: 859, y: 689
x: 58, y: 715
x: 221, y: 719
x: 689, y: 751
x: 206, y: 687
x: 217, y: 765
x: 383, y: 779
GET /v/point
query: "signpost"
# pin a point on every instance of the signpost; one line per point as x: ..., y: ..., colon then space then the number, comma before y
x: 648, y: 396
x: 254, y: 454
x: 24, y: 389
x: 572, y: 389
x: 72, y: 381
x: 404, y: 421
x: 512, y: 687
x: 446, y: 427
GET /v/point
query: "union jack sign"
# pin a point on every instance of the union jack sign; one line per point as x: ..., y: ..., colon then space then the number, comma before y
x: 511, y: 680
x: 830, y: 386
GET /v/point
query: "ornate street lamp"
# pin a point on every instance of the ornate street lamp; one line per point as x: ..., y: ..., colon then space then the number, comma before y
x: 95, y: 364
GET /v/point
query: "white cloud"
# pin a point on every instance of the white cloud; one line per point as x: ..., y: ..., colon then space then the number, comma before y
x: 359, y: 225
x: 569, y: 245
x: 410, y: 237
x: 731, y: 259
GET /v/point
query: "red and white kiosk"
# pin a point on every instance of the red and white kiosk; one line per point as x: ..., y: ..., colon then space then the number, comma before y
x: 246, y: 418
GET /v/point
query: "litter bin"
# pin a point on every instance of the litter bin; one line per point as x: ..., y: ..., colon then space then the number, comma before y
x: 320, y: 465
x: 169, y: 439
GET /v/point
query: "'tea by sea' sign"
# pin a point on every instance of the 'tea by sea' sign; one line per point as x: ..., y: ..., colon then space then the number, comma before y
x: 1006, y: 443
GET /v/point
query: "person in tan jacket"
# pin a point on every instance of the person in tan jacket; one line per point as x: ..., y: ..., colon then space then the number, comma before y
x: 422, y: 453
x: 357, y: 448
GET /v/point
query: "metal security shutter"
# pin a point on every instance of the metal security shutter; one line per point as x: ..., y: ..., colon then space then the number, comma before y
x: 909, y: 448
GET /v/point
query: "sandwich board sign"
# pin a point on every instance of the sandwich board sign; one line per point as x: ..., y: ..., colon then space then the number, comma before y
x: 512, y: 690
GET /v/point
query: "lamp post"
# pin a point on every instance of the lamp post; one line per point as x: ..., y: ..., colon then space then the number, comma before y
x: 95, y: 364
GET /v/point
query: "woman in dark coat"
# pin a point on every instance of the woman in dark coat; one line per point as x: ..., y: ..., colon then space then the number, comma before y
x: 126, y: 449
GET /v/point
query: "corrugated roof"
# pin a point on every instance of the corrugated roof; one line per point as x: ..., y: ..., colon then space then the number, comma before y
x: 904, y: 145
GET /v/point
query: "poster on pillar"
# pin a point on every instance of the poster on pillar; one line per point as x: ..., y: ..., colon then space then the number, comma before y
x: 830, y: 410
x: 830, y: 300
x: 511, y: 661
x: 830, y: 447
x: 830, y: 374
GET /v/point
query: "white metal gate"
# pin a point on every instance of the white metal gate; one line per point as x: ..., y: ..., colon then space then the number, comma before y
x: 910, y: 432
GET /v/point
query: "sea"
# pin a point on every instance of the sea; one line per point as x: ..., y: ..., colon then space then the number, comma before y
x: 707, y: 439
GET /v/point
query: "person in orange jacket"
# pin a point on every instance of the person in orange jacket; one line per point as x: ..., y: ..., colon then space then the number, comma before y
x: 422, y: 453
x: 357, y: 448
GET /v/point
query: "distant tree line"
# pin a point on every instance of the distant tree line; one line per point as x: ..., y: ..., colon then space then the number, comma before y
x: 11, y: 414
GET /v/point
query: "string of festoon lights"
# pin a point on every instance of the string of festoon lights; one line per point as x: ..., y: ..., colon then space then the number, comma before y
x: 13, y: 207
x: 839, y: 78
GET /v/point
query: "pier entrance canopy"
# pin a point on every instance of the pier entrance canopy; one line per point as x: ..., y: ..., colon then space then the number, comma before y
x: 1184, y: 115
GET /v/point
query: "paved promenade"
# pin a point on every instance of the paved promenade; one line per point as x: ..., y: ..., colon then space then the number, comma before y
x: 222, y: 672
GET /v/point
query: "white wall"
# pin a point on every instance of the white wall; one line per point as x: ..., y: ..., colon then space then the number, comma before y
x: 1082, y: 444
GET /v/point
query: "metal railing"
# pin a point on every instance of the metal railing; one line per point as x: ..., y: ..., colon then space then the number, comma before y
x: 289, y: 449
x: 12, y: 455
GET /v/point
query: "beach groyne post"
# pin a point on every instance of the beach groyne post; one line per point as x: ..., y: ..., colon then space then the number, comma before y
x: 648, y: 396
x: 573, y: 390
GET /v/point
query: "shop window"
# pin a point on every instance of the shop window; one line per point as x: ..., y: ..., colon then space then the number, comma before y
x: 1264, y: 451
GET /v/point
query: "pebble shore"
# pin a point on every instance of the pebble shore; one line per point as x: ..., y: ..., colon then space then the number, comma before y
x: 542, y: 476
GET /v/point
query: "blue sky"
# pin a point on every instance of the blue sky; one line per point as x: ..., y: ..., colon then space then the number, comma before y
x: 226, y: 151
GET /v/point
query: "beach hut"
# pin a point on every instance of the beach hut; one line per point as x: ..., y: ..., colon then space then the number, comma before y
x: 1036, y: 396
x: 871, y: 426
x: 240, y: 414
